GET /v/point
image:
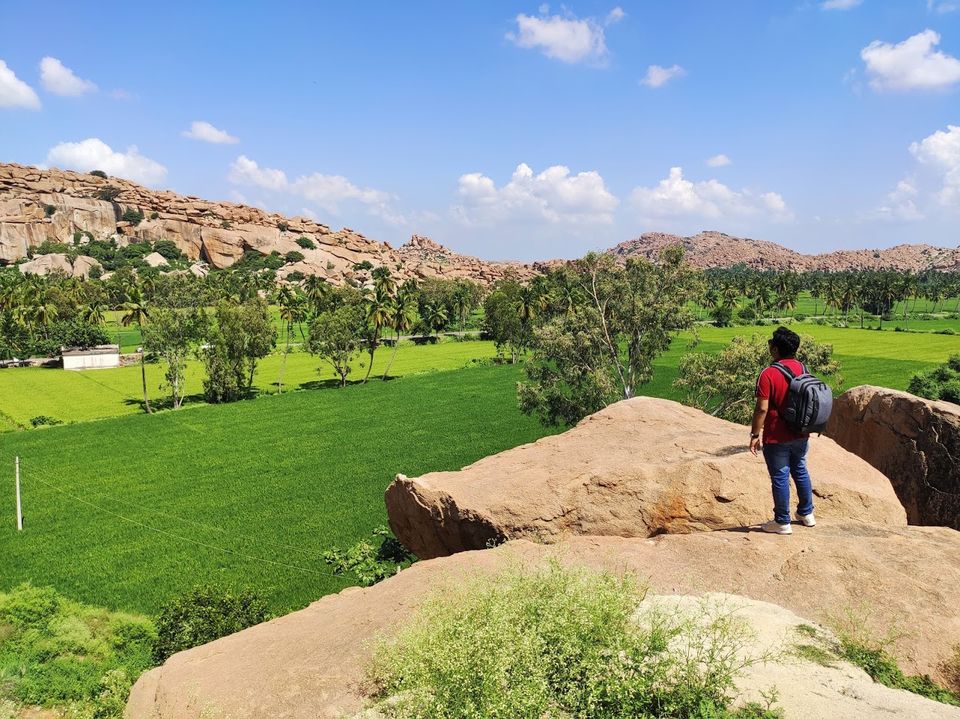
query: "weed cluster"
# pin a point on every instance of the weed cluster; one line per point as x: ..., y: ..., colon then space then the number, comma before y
x: 559, y: 643
x: 55, y: 652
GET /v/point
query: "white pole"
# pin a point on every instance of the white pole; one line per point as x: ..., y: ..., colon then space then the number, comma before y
x: 19, y: 512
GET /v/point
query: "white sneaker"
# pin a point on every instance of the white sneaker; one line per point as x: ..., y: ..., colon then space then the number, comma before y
x: 807, y: 520
x: 773, y: 527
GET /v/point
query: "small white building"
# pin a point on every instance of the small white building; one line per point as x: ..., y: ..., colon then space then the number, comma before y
x: 99, y: 357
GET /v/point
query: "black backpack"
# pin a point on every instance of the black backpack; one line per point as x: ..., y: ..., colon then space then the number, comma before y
x: 809, y: 401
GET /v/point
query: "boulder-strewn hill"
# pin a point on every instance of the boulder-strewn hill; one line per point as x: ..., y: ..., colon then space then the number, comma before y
x: 716, y: 249
x: 38, y: 205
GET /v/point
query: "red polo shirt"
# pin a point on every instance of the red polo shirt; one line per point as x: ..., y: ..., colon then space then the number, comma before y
x: 772, y: 385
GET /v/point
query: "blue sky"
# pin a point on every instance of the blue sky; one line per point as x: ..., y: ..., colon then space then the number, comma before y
x: 511, y: 130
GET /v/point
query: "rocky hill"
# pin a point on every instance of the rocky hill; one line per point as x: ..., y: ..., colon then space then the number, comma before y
x: 63, y: 206
x: 716, y: 249
x: 38, y: 205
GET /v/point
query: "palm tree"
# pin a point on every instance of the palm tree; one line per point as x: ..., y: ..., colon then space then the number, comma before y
x: 379, y: 314
x: 529, y: 304
x: 137, y: 312
x: 436, y: 316
x: 94, y: 313
x: 287, y: 303
x: 403, y: 313
x: 317, y: 291
x: 384, y: 282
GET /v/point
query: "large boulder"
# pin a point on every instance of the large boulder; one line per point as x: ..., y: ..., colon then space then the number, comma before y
x: 638, y: 468
x: 311, y: 663
x: 55, y: 262
x: 155, y: 259
x: 913, y: 441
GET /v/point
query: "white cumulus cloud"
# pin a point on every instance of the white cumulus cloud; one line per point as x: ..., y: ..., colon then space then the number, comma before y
x: 719, y: 161
x: 14, y: 92
x: 658, y: 76
x: 565, y: 37
x: 328, y: 192
x: 840, y: 4
x: 911, y: 64
x: 61, y: 80
x: 676, y: 196
x: 554, y: 195
x: 244, y: 171
x: 204, y: 131
x: 900, y: 204
x: 941, y: 150
x: 94, y: 154
x: 943, y: 6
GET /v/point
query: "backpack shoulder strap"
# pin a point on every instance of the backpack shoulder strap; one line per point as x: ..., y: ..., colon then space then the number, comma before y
x: 785, y: 371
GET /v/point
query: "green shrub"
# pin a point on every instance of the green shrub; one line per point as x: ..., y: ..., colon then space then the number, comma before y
x: 306, y: 243
x: 99, y: 173
x: 747, y: 314
x: 800, y: 317
x: 946, y: 331
x: 371, y: 562
x: 49, y: 210
x: 203, y: 614
x: 557, y: 643
x: 48, y: 247
x: 942, y: 382
x: 134, y: 217
x: 154, y: 215
x: 365, y: 265
x: 66, y: 654
x: 108, y: 193
x: 293, y: 256
x: 226, y: 224
x: 295, y: 276
x: 41, y: 420
x: 167, y: 248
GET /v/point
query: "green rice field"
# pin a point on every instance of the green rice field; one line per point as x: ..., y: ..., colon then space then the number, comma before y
x: 130, y: 510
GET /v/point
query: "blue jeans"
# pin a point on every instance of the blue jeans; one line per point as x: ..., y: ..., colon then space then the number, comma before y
x: 783, y: 460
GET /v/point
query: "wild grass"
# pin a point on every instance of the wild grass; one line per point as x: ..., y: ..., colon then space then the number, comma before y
x: 558, y: 642
x: 858, y: 643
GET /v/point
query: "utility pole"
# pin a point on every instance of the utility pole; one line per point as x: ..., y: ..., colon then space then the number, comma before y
x: 19, y: 512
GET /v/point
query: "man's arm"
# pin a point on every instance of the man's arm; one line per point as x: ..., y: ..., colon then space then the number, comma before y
x: 759, y: 415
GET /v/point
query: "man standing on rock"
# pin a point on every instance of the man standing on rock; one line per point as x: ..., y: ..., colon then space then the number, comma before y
x: 784, y: 449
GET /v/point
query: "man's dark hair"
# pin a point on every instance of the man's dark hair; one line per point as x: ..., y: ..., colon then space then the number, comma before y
x: 786, y: 341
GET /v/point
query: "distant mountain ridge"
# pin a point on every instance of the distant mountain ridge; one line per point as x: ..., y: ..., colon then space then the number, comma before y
x: 715, y: 249
x: 50, y: 204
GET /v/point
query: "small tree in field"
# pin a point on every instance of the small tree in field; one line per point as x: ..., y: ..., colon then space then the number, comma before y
x: 241, y: 336
x: 173, y: 334
x: 604, y: 351
x: 723, y: 384
x: 336, y: 336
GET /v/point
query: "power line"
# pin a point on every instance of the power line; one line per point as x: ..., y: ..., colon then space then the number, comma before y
x: 178, y: 537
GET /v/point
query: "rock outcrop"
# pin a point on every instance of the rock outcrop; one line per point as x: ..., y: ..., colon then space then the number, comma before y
x: 716, y: 249
x: 59, y: 262
x: 913, y: 441
x: 638, y: 468
x: 71, y: 207
x: 311, y: 663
